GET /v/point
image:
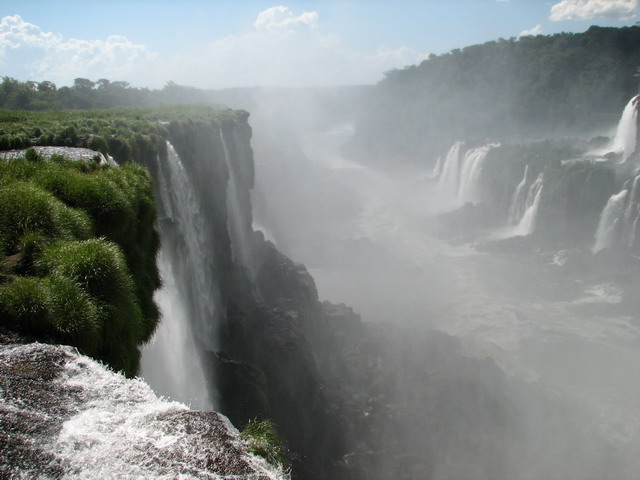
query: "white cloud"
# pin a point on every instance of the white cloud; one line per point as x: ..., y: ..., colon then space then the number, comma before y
x: 537, y: 30
x: 588, y: 9
x: 282, y: 17
x: 283, y: 49
x: 286, y: 49
x: 31, y: 53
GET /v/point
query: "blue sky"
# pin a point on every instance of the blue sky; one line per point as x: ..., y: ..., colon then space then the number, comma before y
x: 227, y: 43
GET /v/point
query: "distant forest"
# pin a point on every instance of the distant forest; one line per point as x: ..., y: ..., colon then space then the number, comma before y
x: 86, y: 94
x: 534, y: 86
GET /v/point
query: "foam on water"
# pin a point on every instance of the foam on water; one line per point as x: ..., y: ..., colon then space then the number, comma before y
x: 114, y: 427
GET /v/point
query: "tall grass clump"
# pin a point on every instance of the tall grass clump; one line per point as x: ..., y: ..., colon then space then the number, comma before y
x: 24, y: 305
x: 25, y: 208
x: 262, y: 439
x: 98, y: 267
x: 78, y: 255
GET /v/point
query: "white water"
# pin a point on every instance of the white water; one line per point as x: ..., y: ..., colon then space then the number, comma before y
x: 172, y: 351
x: 437, y: 170
x: 449, y: 181
x: 528, y: 221
x: 470, y: 175
x: 627, y: 133
x: 610, y: 225
x: 519, y: 200
x: 187, y: 298
x: 241, y: 245
x: 461, y: 173
x: 117, y: 428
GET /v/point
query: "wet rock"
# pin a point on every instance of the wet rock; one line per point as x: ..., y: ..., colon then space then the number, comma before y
x: 63, y: 414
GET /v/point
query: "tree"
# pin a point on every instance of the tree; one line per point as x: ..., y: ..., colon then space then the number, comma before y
x: 47, y: 86
x: 83, y: 84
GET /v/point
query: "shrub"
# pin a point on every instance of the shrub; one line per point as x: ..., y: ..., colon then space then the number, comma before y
x: 32, y: 156
x: 74, y: 316
x: 98, y: 144
x: 24, y: 305
x: 25, y: 208
x: 31, y: 245
x: 99, y: 268
x: 96, y: 194
x: 262, y: 439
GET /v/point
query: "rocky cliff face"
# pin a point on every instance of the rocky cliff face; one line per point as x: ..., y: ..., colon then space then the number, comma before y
x: 270, y: 328
x: 352, y: 400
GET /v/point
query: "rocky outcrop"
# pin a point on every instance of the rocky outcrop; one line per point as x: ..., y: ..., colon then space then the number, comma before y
x: 62, y: 413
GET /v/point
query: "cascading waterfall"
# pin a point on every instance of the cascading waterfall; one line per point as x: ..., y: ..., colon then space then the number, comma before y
x: 437, y: 170
x: 519, y: 200
x: 608, y: 226
x: 460, y: 177
x: 631, y: 214
x: 472, y: 166
x: 619, y: 222
x: 527, y: 222
x: 626, y: 137
x: 186, y: 299
x: 450, y: 177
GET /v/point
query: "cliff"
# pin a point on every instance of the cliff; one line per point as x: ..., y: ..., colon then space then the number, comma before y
x: 243, y: 328
x: 255, y: 315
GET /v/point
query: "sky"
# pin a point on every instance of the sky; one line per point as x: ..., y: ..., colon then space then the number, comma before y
x: 233, y: 43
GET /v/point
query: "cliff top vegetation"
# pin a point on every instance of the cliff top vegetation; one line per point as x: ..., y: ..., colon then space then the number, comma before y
x: 531, y: 87
x: 78, y: 243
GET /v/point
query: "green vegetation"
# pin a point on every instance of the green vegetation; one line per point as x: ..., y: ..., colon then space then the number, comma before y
x: 77, y: 239
x: 85, y: 94
x: 262, y: 439
x: 77, y: 259
x: 531, y: 86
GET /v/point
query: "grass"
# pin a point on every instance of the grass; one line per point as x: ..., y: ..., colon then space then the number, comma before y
x: 78, y: 244
x: 262, y: 439
x: 79, y: 255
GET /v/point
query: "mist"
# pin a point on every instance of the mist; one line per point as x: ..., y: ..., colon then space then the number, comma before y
x: 475, y: 213
x: 512, y: 351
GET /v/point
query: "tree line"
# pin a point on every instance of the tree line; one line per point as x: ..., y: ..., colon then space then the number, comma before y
x: 86, y: 94
x: 534, y: 86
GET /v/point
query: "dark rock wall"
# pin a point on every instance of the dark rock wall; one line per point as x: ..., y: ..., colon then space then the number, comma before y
x: 269, y: 321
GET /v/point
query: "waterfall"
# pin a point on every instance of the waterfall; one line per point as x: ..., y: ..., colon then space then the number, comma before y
x: 460, y: 177
x: 610, y: 221
x: 437, y: 170
x: 238, y: 226
x: 450, y: 176
x: 626, y: 137
x: 619, y: 222
x: 472, y: 166
x: 519, y: 200
x: 527, y: 222
x: 631, y: 212
x: 186, y: 299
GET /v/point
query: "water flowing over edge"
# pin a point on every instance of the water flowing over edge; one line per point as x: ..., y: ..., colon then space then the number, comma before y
x: 460, y: 174
x: 172, y: 362
x: 626, y: 137
x: 113, y: 427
